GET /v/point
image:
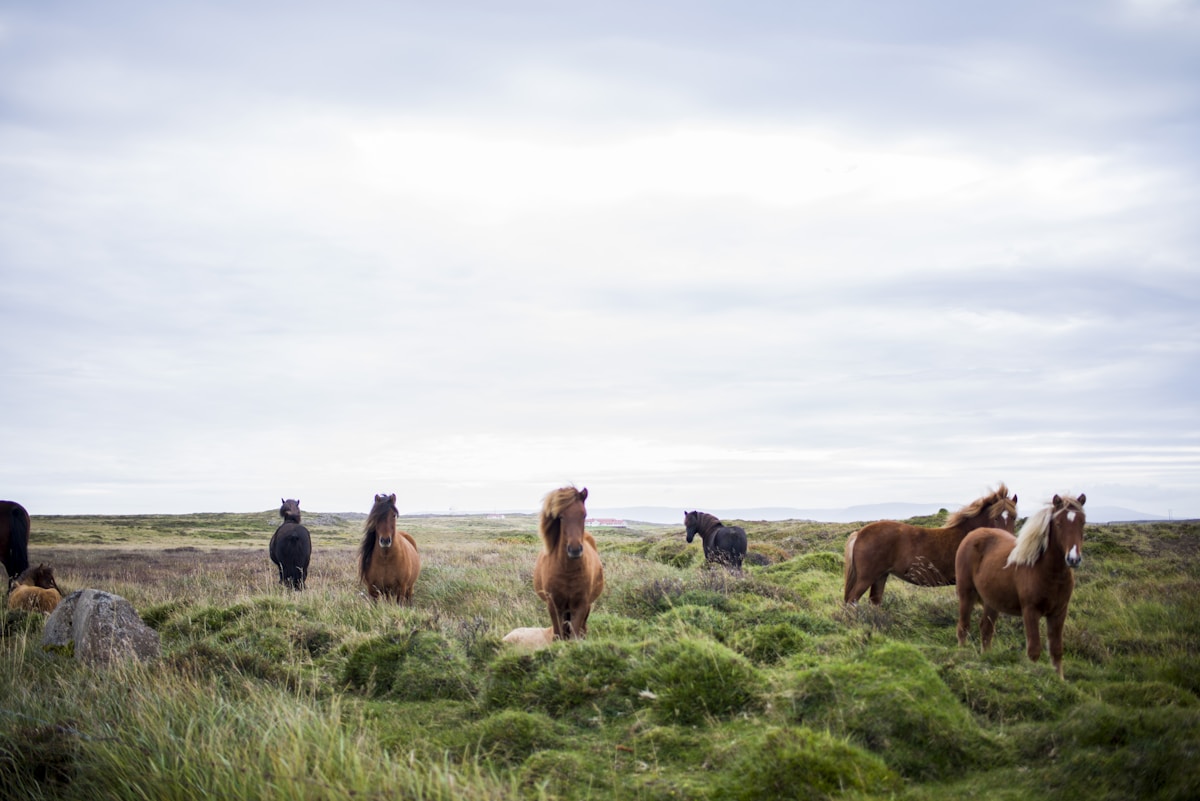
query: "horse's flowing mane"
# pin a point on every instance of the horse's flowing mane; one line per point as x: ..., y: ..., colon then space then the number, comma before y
x: 553, y: 505
x: 366, y: 549
x: 706, y: 522
x: 1035, y: 534
x: 999, y: 498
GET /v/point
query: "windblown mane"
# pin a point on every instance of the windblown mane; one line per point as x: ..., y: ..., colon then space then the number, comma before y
x: 1035, y: 534
x: 994, y: 503
x: 366, y: 549
x: 706, y: 522
x: 553, y: 505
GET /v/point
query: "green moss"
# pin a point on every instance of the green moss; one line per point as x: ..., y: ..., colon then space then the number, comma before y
x: 693, y: 679
x: 769, y: 642
x: 511, y: 735
x: 798, y: 763
x: 1010, y: 693
x: 588, y: 676
x: 419, y: 666
x: 892, y: 701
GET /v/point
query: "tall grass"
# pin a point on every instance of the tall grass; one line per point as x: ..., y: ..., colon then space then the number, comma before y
x: 693, y: 684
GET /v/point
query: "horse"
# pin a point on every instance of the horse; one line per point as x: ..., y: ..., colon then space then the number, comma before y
x: 291, y: 546
x: 388, y: 562
x: 918, y: 555
x: 1031, y: 575
x: 723, y: 545
x: 14, y: 537
x: 568, y: 574
x: 34, y: 589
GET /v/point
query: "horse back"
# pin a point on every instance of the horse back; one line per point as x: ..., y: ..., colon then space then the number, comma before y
x: 980, y: 564
x: 33, y: 599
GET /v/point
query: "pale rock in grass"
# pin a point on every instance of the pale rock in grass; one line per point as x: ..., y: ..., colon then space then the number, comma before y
x: 531, y: 638
x: 103, y: 628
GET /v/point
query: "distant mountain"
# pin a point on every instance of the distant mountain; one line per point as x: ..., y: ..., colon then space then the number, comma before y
x: 850, y: 514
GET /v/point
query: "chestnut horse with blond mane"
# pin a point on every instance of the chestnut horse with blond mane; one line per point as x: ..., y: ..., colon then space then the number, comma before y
x: 1031, y: 575
x: 388, y: 562
x: 919, y: 555
x: 568, y: 575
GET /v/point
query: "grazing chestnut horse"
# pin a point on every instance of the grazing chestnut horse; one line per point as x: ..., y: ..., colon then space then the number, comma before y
x: 1031, y: 575
x: 291, y: 546
x: 723, y: 545
x: 34, y: 590
x: 568, y: 575
x: 918, y: 555
x: 14, y: 537
x: 388, y: 562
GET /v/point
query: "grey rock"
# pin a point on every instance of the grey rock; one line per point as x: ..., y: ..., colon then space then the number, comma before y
x: 102, y: 627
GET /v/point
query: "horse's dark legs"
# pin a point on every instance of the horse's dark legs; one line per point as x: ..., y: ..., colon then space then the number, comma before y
x: 1054, y: 633
x: 556, y: 620
x: 1033, y: 637
x: 987, y: 626
x: 877, y: 590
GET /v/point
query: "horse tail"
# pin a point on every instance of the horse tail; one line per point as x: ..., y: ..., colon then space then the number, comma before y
x: 851, y: 573
x: 17, y: 558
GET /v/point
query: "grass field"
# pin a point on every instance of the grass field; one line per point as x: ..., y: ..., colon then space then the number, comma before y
x: 693, y: 683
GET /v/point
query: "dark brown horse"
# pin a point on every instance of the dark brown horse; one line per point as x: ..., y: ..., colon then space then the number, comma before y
x: 14, y: 537
x: 291, y: 546
x: 34, y: 589
x: 918, y: 555
x: 388, y: 562
x: 1031, y: 575
x: 723, y: 545
x: 568, y: 575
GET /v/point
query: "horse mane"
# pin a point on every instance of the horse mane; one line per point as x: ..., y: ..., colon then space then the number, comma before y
x: 553, y: 505
x: 366, y: 548
x: 706, y: 522
x: 1034, y: 536
x: 998, y: 497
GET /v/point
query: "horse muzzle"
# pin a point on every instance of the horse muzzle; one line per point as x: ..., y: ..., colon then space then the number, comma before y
x: 385, y: 542
x: 574, y: 551
x: 1074, y: 557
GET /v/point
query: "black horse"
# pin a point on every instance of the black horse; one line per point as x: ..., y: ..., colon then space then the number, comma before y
x: 291, y: 546
x: 14, y: 537
x: 725, y: 545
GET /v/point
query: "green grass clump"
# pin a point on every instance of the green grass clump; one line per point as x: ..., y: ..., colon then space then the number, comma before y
x: 1010, y: 693
x: 891, y: 700
x: 799, y: 763
x: 695, y: 679
x: 417, y: 666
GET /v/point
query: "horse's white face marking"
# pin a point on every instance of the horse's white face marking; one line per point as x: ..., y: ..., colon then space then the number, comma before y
x: 1071, y: 516
x: 1004, y: 515
x: 1073, y: 556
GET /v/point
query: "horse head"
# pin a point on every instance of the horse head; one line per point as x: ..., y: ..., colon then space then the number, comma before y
x: 691, y: 521
x: 289, y: 510
x: 571, y: 525
x: 383, y: 519
x: 1066, y: 527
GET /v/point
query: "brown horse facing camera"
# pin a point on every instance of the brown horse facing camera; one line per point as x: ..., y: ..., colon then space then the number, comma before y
x: 918, y: 555
x: 568, y: 575
x: 388, y: 562
x: 1031, y: 575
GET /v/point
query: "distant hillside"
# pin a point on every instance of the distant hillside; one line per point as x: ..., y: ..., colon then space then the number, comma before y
x: 849, y: 514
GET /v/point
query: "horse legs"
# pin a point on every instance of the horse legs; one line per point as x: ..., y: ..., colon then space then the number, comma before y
x: 1054, y: 633
x: 579, y: 618
x: 877, y: 590
x: 966, y: 603
x: 987, y: 625
x: 556, y: 620
x: 1033, y: 637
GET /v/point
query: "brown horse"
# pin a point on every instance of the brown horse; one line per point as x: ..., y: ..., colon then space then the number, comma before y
x: 568, y: 575
x: 1031, y: 575
x: 34, y: 589
x: 388, y: 562
x: 918, y: 555
x: 14, y: 537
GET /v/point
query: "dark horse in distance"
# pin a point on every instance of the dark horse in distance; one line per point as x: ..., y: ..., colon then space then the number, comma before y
x: 14, y: 537
x: 724, y: 545
x: 291, y: 546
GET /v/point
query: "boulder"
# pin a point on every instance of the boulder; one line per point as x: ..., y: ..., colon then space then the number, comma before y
x: 102, y: 627
x: 531, y: 638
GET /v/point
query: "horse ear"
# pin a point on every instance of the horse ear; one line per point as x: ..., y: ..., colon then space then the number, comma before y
x: 1082, y: 499
x: 1058, y: 502
x: 1014, y: 497
x: 583, y: 494
x: 392, y: 498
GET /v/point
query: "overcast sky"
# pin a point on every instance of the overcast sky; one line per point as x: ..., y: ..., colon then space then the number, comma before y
x: 689, y: 254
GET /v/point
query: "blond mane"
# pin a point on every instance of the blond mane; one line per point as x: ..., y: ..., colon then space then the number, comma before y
x: 988, y: 502
x: 553, y: 505
x: 1035, y: 534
